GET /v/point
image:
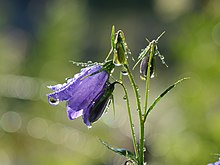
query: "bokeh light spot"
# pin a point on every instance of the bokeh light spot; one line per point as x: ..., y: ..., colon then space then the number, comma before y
x: 11, y: 121
x: 37, y: 127
x: 57, y: 133
x: 4, y: 158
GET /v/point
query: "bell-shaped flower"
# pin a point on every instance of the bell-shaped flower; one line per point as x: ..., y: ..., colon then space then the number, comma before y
x: 83, y: 91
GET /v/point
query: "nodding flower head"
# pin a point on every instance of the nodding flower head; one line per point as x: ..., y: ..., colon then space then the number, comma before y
x: 87, y: 93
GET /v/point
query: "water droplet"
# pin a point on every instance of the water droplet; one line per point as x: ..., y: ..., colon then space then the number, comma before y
x: 117, y: 64
x: 124, y: 73
x: 124, y: 97
x: 53, y: 101
x: 89, y: 126
x: 67, y: 79
x: 133, y: 59
x: 161, y: 56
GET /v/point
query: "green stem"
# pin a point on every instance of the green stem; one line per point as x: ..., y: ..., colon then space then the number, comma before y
x: 131, y: 122
x: 141, y: 158
x: 152, y: 45
x: 135, y: 88
x: 141, y: 142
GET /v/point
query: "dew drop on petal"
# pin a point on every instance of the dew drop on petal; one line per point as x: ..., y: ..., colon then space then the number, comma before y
x: 89, y: 126
x: 53, y: 101
x: 68, y: 79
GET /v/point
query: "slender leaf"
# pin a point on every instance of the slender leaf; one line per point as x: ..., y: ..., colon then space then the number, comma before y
x: 121, y: 151
x: 162, y: 95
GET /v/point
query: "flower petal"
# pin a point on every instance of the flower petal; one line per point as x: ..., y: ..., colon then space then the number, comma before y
x: 86, y: 91
x: 74, y: 114
x: 65, y: 91
x: 99, y: 104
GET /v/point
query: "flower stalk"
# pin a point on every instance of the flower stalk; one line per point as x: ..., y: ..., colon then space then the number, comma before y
x: 130, y: 121
x: 152, y: 47
x: 137, y: 96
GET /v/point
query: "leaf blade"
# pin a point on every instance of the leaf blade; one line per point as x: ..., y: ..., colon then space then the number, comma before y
x: 162, y: 95
x: 121, y: 151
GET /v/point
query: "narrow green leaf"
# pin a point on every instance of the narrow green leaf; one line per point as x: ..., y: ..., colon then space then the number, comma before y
x: 160, y: 36
x: 143, y: 53
x: 121, y: 151
x: 113, y: 36
x: 162, y: 95
x: 112, y: 42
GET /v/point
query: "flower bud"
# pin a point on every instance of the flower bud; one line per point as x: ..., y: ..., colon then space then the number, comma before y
x: 120, y: 49
x: 144, y: 67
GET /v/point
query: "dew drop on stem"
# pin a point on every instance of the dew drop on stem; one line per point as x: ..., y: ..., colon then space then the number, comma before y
x: 124, y: 73
x: 133, y: 59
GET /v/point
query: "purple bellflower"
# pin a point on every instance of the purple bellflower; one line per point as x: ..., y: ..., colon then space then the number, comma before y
x: 87, y: 93
x: 216, y: 163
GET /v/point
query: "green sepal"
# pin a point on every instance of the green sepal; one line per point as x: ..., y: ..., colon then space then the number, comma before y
x: 121, y: 151
x: 112, y: 42
x: 113, y: 36
x: 107, y: 66
x: 143, y: 53
x: 162, y: 95
x: 153, y: 48
x: 84, y: 64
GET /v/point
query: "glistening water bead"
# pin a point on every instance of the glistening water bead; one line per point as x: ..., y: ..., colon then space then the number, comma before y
x: 124, y: 73
x: 53, y: 101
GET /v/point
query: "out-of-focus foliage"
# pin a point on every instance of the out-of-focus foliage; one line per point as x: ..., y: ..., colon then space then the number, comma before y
x: 39, y: 38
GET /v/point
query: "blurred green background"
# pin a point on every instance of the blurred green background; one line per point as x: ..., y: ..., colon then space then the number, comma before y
x: 38, y: 38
